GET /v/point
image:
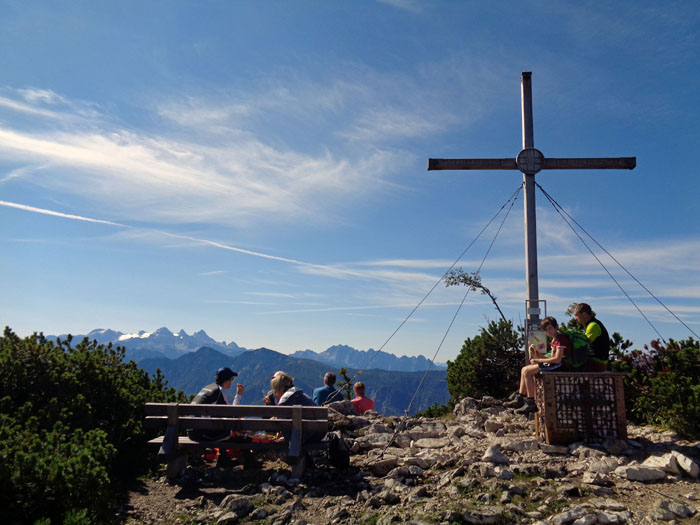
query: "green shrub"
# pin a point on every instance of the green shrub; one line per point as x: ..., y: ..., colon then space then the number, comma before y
x: 435, y: 411
x: 663, y: 385
x: 489, y: 364
x: 71, y: 427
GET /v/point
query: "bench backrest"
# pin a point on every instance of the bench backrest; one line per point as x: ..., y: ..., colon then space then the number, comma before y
x: 241, y: 417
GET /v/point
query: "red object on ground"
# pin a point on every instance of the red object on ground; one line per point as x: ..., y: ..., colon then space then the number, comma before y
x: 211, y: 455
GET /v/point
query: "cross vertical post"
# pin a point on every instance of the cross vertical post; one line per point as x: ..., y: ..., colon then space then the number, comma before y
x: 530, y: 161
x: 532, y: 312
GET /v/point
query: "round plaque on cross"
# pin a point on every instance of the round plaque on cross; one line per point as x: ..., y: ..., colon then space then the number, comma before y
x: 530, y: 161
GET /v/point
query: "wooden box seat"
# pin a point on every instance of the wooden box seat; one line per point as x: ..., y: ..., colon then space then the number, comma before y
x: 580, y: 406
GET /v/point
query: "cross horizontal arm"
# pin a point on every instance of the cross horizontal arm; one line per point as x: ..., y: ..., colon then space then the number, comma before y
x: 472, y: 164
x: 610, y: 163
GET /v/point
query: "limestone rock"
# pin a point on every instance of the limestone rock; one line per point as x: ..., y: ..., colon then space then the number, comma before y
x: 667, y: 463
x: 345, y: 408
x: 493, y: 455
x: 383, y: 466
x: 432, y: 443
x: 492, y: 425
x: 603, y: 465
x: 483, y: 515
x: 553, y: 449
x: 595, y: 478
x: 689, y: 466
x: 644, y: 474
x: 466, y: 404
x: 241, y: 505
x: 681, y: 511
x: 569, y: 516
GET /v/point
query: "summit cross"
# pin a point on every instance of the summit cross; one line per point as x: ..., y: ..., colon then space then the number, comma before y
x: 530, y: 161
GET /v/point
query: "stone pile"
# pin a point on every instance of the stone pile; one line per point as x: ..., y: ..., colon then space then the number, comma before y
x: 483, y: 466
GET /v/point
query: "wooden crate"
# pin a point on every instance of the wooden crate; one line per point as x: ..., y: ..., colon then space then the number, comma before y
x: 580, y: 406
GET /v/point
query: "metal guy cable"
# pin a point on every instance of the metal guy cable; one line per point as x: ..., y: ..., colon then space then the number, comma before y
x: 558, y: 209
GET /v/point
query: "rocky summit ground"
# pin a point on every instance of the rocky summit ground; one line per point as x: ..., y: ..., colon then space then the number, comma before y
x: 482, y: 466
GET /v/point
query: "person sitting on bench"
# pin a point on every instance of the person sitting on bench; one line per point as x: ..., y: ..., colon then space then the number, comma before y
x: 561, y: 347
x: 598, y: 336
x: 213, y: 394
x: 286, y: 394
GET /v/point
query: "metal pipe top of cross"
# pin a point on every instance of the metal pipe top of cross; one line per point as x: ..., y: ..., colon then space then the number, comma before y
x: 531, y: 160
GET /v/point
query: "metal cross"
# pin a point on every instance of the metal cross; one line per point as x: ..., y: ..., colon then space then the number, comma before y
x: 530, y: 161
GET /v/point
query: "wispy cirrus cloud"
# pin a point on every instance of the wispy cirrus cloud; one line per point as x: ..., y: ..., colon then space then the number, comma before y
x: 162, y: 178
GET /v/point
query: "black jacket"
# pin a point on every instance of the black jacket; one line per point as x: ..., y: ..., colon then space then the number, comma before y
x: 210, y: 395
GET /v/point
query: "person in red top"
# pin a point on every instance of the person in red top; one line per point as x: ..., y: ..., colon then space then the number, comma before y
x: 361, y: 403
x: 558, y: 358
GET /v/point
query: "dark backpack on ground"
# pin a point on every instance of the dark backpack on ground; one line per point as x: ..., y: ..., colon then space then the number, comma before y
x: 582, y: 349
x: 338, y: 451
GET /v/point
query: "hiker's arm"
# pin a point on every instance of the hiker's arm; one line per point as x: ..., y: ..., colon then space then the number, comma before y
x: 556, y: 358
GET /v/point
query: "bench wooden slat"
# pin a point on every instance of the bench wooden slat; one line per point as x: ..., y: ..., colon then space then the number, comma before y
x: 280, y: 412
x: 272, y: 425
x: 186, y: 442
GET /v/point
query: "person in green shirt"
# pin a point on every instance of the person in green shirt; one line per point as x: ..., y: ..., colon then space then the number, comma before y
x: 597, y: 335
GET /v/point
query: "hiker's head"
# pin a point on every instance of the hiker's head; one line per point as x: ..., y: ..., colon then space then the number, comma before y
x: 329, y: 379
x: 224, y: 377
x: 583, y: 313
x: 280, y: 383
x: 359, y: 388
x: 549, y: 325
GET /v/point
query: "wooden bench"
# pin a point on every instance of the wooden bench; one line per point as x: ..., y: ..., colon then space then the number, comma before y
x: 294, y: 422
x: 580, y: 406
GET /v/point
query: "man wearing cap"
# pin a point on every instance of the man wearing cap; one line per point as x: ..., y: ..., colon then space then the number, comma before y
x: 213, y: 394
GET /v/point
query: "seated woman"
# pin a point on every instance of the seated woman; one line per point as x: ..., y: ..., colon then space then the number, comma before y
x: 361, y: 403
x: 286, y: 394
x: 562, y: 350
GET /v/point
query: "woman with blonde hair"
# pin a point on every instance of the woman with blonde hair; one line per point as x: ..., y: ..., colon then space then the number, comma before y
x: 286, y: 394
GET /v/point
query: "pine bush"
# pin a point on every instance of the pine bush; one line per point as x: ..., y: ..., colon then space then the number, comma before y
x: 488, y: 365
x: 71, y: 427
x: 663, y: 385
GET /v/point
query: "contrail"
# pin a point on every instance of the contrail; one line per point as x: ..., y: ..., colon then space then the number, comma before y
x: 59, y: 214
x: 194, y: 239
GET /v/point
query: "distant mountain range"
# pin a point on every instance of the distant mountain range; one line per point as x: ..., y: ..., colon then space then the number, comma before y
x: 161, y: 343
x: 165, y: 344
x: 392, y: 391
x: 343, y: 356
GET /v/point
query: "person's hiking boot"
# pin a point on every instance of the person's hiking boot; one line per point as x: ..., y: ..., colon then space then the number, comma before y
x: 516, y: 402
x: 528, y: 408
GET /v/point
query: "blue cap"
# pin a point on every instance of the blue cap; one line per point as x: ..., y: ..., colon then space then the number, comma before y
x: 224, y: 374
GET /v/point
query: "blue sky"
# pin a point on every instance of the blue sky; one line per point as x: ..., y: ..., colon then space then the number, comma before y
x: 258, y: 169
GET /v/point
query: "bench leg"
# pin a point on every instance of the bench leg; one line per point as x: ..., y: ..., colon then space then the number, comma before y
x: 176, y: 465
